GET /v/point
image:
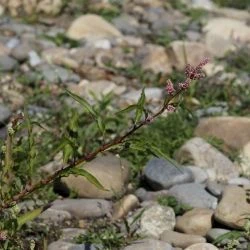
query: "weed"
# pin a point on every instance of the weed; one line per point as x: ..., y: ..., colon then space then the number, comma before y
x: 171, y: 201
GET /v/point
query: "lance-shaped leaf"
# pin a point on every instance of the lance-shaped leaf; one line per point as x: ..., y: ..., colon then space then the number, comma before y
x: 29, y: 216
x: 128, y: 109
x: 100, y: 124
x: 140, y: 107
x: 83, y: 102
x: 80, y: 171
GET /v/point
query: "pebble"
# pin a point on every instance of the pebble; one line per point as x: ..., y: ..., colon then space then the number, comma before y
x: 202, y: 246
x: 214, y: 233
x: 194, y: 195
x: 162, y: 174
x: 180, y: 239
x: 149, y: 244
x: 7, y: 63
x: 197, y: 221
x: 83, y: 208
x: 5, y: 114
x: 155, y: 220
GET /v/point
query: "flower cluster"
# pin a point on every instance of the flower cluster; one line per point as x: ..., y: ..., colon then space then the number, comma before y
x: 192, y: 73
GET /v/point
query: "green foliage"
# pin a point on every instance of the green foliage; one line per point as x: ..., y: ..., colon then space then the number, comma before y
x: 107, y: 236
x: 171, y: 201
x: 61, y: 39
x: 175, y: 129
x: 239, y: 4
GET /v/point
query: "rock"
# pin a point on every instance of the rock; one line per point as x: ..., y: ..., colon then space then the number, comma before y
x: 162, y: 174
x: 149, y: 244
x: 202, y: 4
x: 180, y: 239
x: 233, y: 207
x: 83, y: 208
x: 221, y: 34
x: 202, y: 246
x: 5, y: 114
x: 215, y: 188
x: 244, y: 157
x: 152, y: 95
x: 127, y: 24
x: 199, y: 174
x: 240, y: 181
x: 68, y: 234
x: 7, y: 63
x: 1, y: 10
x: 21, y: 52
x: 21, y: 7
x: 99, y: 88
x: 4, y: 50
x: 197, y: 221
x: 62, y: 245
x: 242, y: 15
x: 198, y: 152
x: 34, y: 59
x: 55, y: 216
x: 144, y: 195
x: 155, y: 220
x: 224, y: 129
x: 214, y: 233
x: 194, y: 195
x: 91, y: 27
x: 56, y: 74
x: 154, y: 58
x: 111, y: 171
x: 178, y: 50
x: 124, y: 206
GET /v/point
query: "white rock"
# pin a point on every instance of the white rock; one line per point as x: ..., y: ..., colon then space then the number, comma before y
x: 157, y: 219
x: 223, y: 33
x: 91, y: 27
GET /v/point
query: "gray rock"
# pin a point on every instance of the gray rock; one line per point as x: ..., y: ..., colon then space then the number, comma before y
x: 155, y: 220
x: 21, y: 52
x: 240, y: 181
x: 149, y: 244
x: 162, y: 174
x: 57, y: 74
x: 199, y: 174
x: 7, y: 63
x: 127, y: 24
x: 5, y: 114
x: 194, y: 195
x: 34, y: 58
x: 55, y: 216
x: 83, y: 208
x: 3, y: 133
x: 214, y: 233
x: 63, y: 245
x: 215, y: 188
x: 68, y: 234
x: 144, y: 195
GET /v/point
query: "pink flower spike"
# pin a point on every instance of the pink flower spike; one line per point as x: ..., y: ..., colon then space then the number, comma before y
x: 170, y: 108
x: 170, y: 87
x: 203, y: 62
x: 185, y: 85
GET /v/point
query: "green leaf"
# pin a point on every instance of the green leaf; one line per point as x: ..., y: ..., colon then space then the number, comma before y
x: 140, y: 107
x: 233, y: 235
x: 67, y: 152
x: 101, y: 124
x: 83, y: 102
x: 80, y: 171
x: 128, y: 109
x: 29, y: 216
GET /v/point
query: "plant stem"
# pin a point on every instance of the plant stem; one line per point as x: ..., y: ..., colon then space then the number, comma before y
x: 29, y: 188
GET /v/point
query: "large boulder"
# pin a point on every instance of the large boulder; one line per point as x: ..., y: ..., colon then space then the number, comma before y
x: 111, y: 171
x: 222, y: 33
x: 200, y: 153
x: 91, y: 27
